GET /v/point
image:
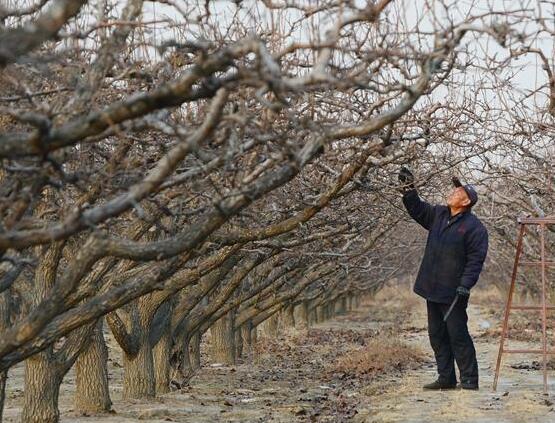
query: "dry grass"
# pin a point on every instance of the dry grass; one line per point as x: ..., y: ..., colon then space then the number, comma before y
x: 526, y: 328
x: 379, y: 356
x: 393, y: 304
x: 488, y: 297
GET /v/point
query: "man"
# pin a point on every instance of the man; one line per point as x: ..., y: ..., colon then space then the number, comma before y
x: 455, y: 251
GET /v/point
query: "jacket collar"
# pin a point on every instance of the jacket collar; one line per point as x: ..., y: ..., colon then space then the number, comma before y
x: 456, y: 218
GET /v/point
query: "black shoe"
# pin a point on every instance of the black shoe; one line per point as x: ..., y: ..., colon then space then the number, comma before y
x: 439, y: 386
x: 472, y: 386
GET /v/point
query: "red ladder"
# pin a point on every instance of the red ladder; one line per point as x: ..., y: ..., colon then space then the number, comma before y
x: 543, y: 307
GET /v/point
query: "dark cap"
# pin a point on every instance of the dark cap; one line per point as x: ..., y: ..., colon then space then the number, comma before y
x: 469, y: 189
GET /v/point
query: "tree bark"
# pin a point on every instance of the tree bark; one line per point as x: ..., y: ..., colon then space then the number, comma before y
x: 302, y: 320
x: 271, y: 326
x: 42, y: 387
x: 186, y: 365
x: 223, y: 340
x: 194, y: 349
x: 320, y: 313
x: 238, y: 343
x: 43, y: 373
x: 350, y: 302
x: 246, y: 337
x: 4, y: 324
x: 92, y: 394
x: 161, y: 354
x: 254, y: 334
x: 288, y: 316
x: 312, y: 314
x: 138, y: 376
x: 3, y: 379
x: 342, y: 305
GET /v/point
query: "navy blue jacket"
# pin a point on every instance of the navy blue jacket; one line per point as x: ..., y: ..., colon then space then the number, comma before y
x: 455, y: 250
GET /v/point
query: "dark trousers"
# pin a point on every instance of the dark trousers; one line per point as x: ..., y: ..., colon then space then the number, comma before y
x: 451, y: 342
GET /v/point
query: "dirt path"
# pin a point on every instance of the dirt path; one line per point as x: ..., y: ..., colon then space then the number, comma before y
x: 348, y: 369
x: 518, y: 398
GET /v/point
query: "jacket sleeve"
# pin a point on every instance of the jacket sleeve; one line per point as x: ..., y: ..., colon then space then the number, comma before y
x: 476, y: 251
x: 418, y: 209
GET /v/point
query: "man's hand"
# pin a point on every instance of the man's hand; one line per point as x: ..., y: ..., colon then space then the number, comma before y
x: 406, y: 178
x: 463, y: 292
x: 456, y: 181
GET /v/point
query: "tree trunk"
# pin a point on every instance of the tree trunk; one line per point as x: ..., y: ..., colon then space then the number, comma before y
x: 194, y: 350
x: 92, y: 394
x: 330, y: 310
x: 4, y: 324
x: 246, y: 337
x: 161, y: 355
x: 312, y: 314
x: 42, y: 387
x: 302, y: 315
x: 186, y: 365
x: 271, y: 326
x: 350, y: 303
x: 254, y: 339
x: 320, y: 313
x: 138, y: 375
x: 341, y: 305
x: 223, y: 340
x: 288, y: 317
x: 254, y: 334
x: 238, y: 343
x: 3, y: 379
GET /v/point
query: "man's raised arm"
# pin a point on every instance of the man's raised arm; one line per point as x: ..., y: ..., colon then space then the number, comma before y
x: 419, y: 210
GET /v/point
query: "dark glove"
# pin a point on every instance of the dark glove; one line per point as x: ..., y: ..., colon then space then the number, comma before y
x: 463, y: 292
x: 406, y: 178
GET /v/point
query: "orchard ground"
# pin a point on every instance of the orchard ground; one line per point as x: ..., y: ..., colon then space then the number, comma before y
x: 367, y: 366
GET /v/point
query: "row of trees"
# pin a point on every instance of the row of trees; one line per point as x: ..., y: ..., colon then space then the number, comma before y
x: 172, y: 168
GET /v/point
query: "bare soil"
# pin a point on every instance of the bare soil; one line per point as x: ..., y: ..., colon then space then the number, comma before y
x: 367, y: 366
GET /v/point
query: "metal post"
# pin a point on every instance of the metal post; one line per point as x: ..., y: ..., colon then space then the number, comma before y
x: 508, y: 305
x: 542, y: 222
x: 544, y: 309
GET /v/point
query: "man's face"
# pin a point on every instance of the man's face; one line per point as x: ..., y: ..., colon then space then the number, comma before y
x: 458, y: 198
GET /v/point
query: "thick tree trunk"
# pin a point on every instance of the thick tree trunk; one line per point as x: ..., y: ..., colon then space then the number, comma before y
x: 254, y: 339
x: 92, y: 394
x: 4, y: 324
x: 330, y: 310
x: 350, y: 302
x: 186, y: 364
x: 341, y: 305
x: 223, y: 340
x: 271, y: 326
x: 246, y: 337
x: 320, y: 313
x: 42, y: 387
x: 238, y: 343
x: 161, y: 355
x: 194, y: 350
x: 288, y: 317
x: 138, y: 376
x: 302, y: 315
x: 190, y: 359
x: 3, y: 379
x: 254, y: 335
x: 312, y: 314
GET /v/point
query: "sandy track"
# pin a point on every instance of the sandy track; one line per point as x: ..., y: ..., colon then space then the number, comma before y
x: 292, y: 379
x: 519, y: 396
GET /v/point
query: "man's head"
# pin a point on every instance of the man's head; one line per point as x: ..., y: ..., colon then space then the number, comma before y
x: 462, y: 196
